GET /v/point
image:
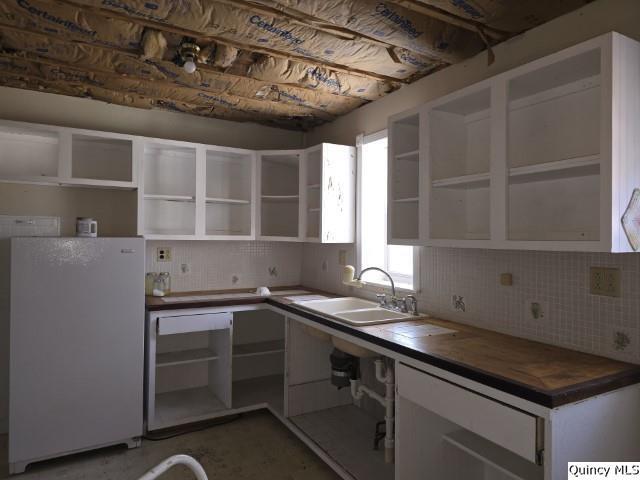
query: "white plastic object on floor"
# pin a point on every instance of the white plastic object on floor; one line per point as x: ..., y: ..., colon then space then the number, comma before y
x: 166, y: 464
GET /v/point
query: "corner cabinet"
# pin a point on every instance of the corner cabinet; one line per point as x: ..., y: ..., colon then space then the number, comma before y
x: 542, y: 157
x: 307, y: 195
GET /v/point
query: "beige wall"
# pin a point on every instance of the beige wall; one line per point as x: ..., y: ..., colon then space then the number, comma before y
x: 38, y: 107
x: 594, y: 19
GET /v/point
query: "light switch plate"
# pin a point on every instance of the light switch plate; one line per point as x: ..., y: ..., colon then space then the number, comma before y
x: 604, y: 281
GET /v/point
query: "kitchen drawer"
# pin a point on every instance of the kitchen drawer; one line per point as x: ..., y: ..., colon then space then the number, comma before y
x: 194, y: 323
x: 512, y: 429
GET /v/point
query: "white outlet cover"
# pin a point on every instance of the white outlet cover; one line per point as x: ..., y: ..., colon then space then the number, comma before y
x: 542, y: 309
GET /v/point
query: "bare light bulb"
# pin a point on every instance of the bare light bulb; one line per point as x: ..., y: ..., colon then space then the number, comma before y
x: 189, y: 66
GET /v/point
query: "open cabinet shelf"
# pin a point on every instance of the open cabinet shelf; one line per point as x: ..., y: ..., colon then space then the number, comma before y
x: 403, y: 178
x: 280, y: 194
x: 459, y: 132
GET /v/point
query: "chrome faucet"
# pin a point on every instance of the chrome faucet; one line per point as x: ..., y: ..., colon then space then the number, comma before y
x: 408, y: 304
x: 393, y: 285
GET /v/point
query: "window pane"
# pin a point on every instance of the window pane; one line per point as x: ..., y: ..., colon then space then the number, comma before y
x: 374, y: 205
x: 401, y: 260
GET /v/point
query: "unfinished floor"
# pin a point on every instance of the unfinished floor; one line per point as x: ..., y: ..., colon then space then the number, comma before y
x: 256, y: 446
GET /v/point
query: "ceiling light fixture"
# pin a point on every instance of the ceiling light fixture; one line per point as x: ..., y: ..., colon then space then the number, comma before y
x: 188, y: 52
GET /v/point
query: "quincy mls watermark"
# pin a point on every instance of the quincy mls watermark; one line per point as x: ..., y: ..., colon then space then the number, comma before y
x: 603, y: 470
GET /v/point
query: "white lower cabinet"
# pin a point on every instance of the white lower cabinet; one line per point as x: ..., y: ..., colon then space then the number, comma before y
x: 206, y: 363
x: 463, y: 434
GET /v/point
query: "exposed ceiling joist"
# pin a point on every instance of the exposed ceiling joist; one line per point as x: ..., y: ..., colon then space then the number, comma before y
x: 288, y: 91
x: 467, y: 24
x: 164, y: 27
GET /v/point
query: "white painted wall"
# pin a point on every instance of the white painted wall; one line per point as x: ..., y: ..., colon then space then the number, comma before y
x: 38, y: 107
x: 594, y: 19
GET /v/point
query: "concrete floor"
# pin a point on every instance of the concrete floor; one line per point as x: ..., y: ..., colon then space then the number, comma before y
x: 254, y: 447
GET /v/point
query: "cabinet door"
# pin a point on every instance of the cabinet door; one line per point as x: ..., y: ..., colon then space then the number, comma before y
x: 335, y: 198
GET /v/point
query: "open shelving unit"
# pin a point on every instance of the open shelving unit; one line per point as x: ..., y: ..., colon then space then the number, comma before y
x: 102, y: 158
x: 230, y: 186
x: 313, y: 186
x: 189, y: 374
x: 280, y: 195
x: 29, y: 153
x: 169, y: 198
x: 403, y: 178
x: 553, y: 151
x: 459, y: 183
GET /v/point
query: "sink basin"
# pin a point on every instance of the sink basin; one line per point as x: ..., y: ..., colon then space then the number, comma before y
x: 355, y: 311
x: 334, y: 305
x: 371, y: 316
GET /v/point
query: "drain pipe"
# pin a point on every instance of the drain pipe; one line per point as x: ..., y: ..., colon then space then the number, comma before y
x: 358, y: 391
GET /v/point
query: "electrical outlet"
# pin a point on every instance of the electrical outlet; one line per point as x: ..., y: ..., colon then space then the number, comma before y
x: 457, y: 303
x: 342, y: 257
x: 185, y: 268
x: 604, y: 281
x: 163, y: 254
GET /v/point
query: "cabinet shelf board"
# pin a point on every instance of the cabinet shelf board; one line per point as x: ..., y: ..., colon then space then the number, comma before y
x: 412, y: 155
x: 258, y: 348
x: 281, y: 198
x: 407, y: 200
x: 570, y: 167
x: 235, y: 201
x: 260, y: 390
x: 170, y: 198
x: 556, y: 92
x: 184, y: 357
x: 478, y: 180
x: 503, y: 460
x: 186, y: 406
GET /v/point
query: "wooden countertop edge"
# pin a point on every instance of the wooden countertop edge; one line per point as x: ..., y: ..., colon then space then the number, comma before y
x: 547, y: 398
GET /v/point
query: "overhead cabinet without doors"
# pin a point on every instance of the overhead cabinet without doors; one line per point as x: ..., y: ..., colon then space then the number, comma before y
x: 308, y: 195
x: 189, y: 191
x: 542, y: 157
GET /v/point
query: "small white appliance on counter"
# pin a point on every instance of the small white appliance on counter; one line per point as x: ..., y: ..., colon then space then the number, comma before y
x: 76, y: 345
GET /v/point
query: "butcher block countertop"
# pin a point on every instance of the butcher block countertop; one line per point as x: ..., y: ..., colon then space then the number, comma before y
x: 544, y: 374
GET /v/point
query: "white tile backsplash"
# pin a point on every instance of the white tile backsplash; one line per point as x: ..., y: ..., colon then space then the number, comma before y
x: 559, y: 281
x: 227, y: 265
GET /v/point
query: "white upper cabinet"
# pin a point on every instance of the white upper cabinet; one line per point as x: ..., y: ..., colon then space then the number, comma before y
x: 403, y: 176
x: 307, y: 195
x: 31, y: 153
x: 280, y: 214
x: 190, y: 191
x: 542, y: 157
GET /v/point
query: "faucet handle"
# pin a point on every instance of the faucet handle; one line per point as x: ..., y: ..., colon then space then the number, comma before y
x: 414, y: 304
x: 382, y: 299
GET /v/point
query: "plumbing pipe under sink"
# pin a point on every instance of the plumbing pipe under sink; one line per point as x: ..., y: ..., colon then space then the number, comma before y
x: 189, y: 462
x: 387, y: 378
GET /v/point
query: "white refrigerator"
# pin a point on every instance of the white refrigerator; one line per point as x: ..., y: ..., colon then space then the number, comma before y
x: 76, y: 345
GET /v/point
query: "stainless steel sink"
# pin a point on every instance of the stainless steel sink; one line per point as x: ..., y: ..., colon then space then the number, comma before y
x: 354, y: 311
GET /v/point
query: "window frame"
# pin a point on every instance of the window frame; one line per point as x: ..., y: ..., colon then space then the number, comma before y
x: 379, y: 286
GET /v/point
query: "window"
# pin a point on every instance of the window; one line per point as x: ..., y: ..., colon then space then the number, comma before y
x: 373, y: 251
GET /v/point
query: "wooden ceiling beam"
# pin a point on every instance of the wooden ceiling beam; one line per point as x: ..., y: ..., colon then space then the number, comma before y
x: 275, y: 121
x: 302, y: 110
x: 134, y: 55
x: 214, y: 38
x: 450, y: 18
